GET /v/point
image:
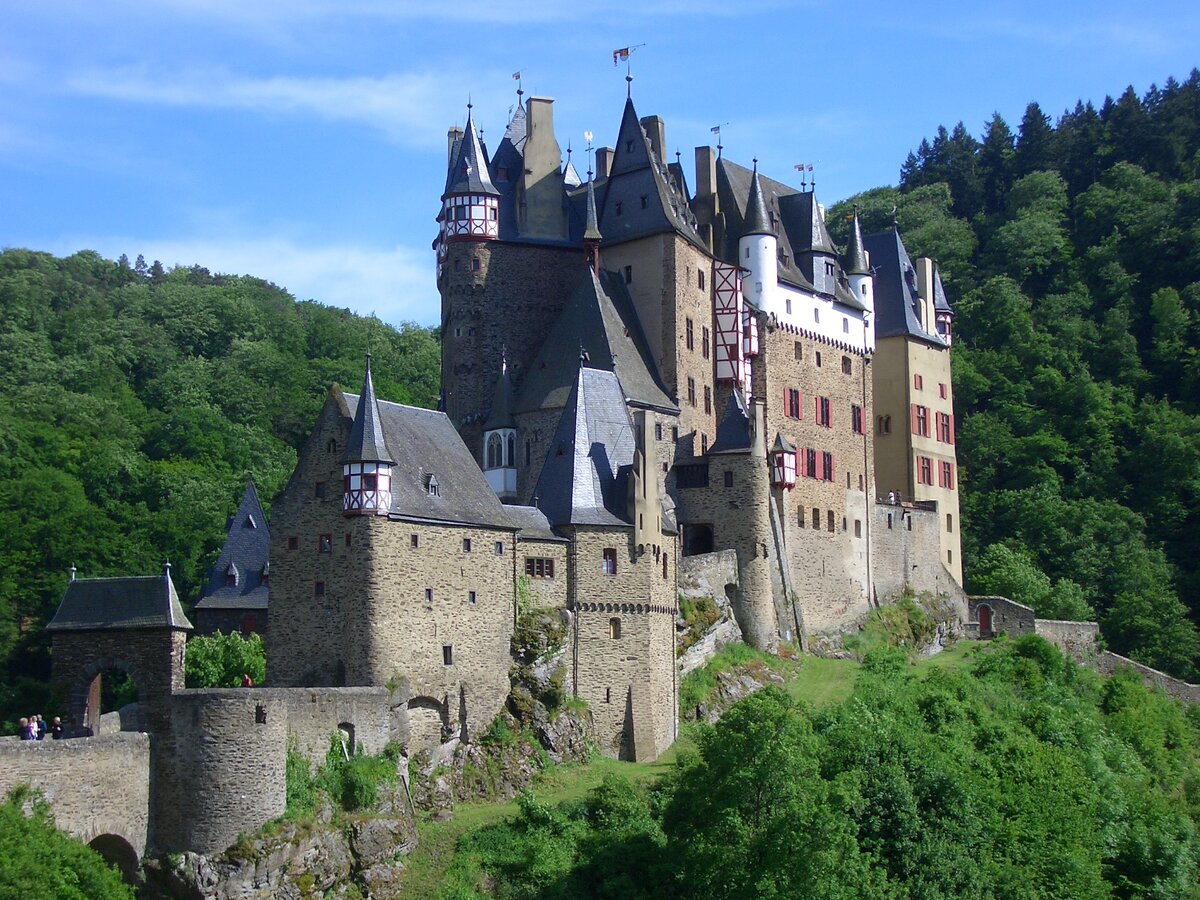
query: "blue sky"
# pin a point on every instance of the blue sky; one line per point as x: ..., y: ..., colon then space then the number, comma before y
x: 304, y: 141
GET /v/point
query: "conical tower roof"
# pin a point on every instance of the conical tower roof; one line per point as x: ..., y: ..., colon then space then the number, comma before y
x: 366, y: 442
x: 468, y: 172
x: 756, y: 209
x: 592, y: 232
x: 856, y: 256
x: 500, y: 415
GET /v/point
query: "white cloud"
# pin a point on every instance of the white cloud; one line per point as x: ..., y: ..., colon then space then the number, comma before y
x: 408, y: 107
x: 397, y: 284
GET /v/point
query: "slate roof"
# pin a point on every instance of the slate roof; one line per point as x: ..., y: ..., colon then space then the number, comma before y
x: 591, y: 231
x: 855, y: 261
x: 637, y: 173
x: 756, y: 221
x: 585, y: 477
x: 468, y: 151
x: 896, y: 294
x: 500, y: 413
x: 423, y: 442
x: 599, y: 319
x: 940, y: 303
x: 98, y: 604
x: 247, y: 547
x: 532, y: 524
x: 366, y: 443
x: 800, y: 227
x: 733, y: 432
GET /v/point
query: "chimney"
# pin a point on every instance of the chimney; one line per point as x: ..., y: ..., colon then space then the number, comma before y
x: 453, y: 136
x: 539, y: 114
x: 758, y: 443
x: 657, y: 132
x: 706, y: 175
x: 604, y: 158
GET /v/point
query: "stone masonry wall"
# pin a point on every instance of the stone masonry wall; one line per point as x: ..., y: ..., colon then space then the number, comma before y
x: 218, y: 769
x: 826, y: 523
x: 506, y: 307
x: 1076, y: 639
x: 1008, y: 616
x: 1108, y: 663
x: 94, y: 786
x: 408, y: 632
x: 906, y: 553
x: 639, y: 649
x: 543, y: 591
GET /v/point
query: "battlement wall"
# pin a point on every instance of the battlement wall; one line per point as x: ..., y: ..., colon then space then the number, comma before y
x: 906, y: 552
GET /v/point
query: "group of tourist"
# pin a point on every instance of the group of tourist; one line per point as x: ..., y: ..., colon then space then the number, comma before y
x: 35, y: 728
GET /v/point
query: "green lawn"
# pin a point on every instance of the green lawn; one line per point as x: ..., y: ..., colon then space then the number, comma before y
x: 818, y: 682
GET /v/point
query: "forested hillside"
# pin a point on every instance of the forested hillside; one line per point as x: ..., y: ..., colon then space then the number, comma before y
x: 1071, y: 251
x: 133, y: 404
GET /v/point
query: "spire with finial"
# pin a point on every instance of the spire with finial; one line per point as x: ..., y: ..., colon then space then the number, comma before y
x: 72, y: 570
x: 367, y: 463
x: 856, y: 256
x: 756, y: 208
x: 470, y: 202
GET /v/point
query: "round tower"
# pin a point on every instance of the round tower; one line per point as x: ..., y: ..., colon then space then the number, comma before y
x: 470, y: 202
x: 858, y: 266
x: 758, y: 251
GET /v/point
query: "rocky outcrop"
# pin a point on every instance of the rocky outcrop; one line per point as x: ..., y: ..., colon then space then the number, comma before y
x: 732, y: 685
x: 357, y: 856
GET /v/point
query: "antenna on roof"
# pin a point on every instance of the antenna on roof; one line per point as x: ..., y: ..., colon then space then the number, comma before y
x: 72, y: 570
x: 587, y: 136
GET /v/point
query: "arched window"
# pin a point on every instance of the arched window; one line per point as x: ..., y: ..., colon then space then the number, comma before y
x: 494, y: 451
x: 510, y: 458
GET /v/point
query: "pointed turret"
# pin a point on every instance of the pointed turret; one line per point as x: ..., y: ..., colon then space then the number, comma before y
x: 591, y: 233
x: 500, y: 439
x: 857, y: 264
x: 470, y: 203
x: 758, y: 252
x: 367, y: 464
x: 783, y: 463
x: 756, y: 209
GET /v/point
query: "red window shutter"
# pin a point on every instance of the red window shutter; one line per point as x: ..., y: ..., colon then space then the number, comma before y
x: 912, y: 411
x: 950, y: 416
x: 787, y: 409
x: 817, y: 409
x: 832, y: 467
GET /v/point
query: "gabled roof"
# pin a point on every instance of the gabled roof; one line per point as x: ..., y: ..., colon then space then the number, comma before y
x: 637, y: 172
x: 733, y: 433
x: 896, y: 294
x: 570, y: 177
x: 424, y: 443
x: 500, y: 414
x: 598, y: 319
x: 366, y: 443
x: 782, y: 444
x: 585, y: 476
x: 247, y: 547
x: 101, y: 604
x: 468, y: 170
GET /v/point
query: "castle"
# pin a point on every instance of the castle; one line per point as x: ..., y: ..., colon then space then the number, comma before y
x: 637, y: 378
x: 632, y: 375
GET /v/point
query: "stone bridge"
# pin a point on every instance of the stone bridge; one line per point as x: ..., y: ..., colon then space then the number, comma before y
x: 98, y: 788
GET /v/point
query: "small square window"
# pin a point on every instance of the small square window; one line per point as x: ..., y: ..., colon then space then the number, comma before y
x: 466, y: 545
x: 628, y: 272
x: 728, y: 479
x: 658, y: 431
x: 475, y: 264
x: 293, y: 542
x: 447, y: 655
x: 471, y: 597
x: 499, y: 548
x: 817, y: 358
x: 347, y: 539
x: 319, y: 490
x: 414, y: 541
x: 428, y: 596
x: 325, y: 543
x: 318, y: 589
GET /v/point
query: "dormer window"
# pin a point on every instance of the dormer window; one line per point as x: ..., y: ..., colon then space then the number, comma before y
x: 432, y: 487
x: 249, y: 522
x: 231, y: 576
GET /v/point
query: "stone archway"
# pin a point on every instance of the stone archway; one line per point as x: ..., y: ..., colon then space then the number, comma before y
x: 84, y: 696
x: 119, y: 853
x: 428, y: 722
x: 985, y: 620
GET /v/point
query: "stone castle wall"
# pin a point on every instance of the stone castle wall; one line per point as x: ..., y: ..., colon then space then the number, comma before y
x: 505, y: 307
x: 545, y: 592
x: 1008, y: 616
x: 624, y: 642
x: 906, y: 553
x: 94, y: 786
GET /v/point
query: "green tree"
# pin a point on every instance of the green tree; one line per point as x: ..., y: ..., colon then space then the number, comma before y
x: 220, y: 660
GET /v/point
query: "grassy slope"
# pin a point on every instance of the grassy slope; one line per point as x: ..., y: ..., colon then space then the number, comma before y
x: 818, y: 682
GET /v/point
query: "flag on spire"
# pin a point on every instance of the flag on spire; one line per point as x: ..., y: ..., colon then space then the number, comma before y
x: 517, y: 75
x: 620, y: 55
